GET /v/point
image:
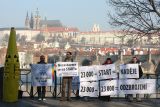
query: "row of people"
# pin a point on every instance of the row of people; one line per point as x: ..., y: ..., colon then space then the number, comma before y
x: 67, y: 81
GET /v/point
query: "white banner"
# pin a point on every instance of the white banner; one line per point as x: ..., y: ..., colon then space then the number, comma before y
x: 65, y: 69
x: 116, y: 87
x: 129, y: 71
x: 88, y: 73
x: 41, y: 74
x: 140, y: 86
x: 106, y: 71
x: 108, y: 87
x: 89, y: 89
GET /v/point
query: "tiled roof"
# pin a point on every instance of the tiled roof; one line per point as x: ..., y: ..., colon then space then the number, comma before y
x: 51, y: 23
x: 60, y: 29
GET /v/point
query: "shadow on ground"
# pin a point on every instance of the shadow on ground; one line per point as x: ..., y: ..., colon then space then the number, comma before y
x: 52, y: 102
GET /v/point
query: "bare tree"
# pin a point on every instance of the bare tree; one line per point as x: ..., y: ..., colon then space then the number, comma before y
x: 141, y: 17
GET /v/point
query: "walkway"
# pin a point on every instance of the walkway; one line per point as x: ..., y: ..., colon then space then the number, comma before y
x: 52, y: 102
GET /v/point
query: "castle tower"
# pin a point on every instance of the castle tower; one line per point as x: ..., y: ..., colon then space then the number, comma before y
x: 96, y: 28
x: 27, y: 25
x: 37, y: 20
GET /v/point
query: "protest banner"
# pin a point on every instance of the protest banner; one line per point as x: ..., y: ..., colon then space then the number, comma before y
x: 106, y: 71
x: 118, y: 87
x: 140, y: 86
x: 129, y: 71
x: 89, y: 89
x: 87, y: 73
x: 41, y: 74
x: 66, y: 69
x: 108, y: 87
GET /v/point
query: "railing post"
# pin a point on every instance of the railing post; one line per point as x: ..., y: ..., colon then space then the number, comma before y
x: 31, y: 92
x: 55, y: 83
x: 147, y: 95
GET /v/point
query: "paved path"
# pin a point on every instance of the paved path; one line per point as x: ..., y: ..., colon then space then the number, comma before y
x: 52, y: 102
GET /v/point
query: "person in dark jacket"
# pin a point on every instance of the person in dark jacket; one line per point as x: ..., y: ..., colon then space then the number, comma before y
x: 130, y: 96
x: 106, y: 98
x: 41, y: 89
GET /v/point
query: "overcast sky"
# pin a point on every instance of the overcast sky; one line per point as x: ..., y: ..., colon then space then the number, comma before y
x: 82, y: 14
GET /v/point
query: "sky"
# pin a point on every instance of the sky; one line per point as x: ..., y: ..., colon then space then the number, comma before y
x: 82, y: 14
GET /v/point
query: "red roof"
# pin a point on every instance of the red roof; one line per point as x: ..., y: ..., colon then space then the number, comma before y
x: 60, y: 29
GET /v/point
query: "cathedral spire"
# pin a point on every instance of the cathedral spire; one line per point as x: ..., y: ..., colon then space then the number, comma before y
x: 37, y: 12
x: 32, y: 21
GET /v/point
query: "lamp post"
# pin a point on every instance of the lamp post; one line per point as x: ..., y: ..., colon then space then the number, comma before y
x: 132, y: 51
x: 120, y: 53
x: 97, y: 57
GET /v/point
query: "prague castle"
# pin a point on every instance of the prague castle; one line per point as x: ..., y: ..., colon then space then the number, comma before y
x: 36, y: 22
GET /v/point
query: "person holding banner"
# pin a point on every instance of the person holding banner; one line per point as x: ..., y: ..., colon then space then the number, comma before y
x: 130, y: 96
x: 41, y: 89
x: 86, y: 62
x: 67, y: 80
x: 104, y: 98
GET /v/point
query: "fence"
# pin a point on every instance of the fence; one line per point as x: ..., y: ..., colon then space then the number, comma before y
x: 55, y: 90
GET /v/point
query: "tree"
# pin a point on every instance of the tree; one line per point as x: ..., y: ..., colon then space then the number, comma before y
x: 83, y: 40
x: 130, y: 42
x: 28, y: 58
x: 53, y: 59
x: 18, y: 37
x: 22, y: 40
x: 140, y: 17
x: 6, y: 38
x: 86, y: 62
x: 39, y: 38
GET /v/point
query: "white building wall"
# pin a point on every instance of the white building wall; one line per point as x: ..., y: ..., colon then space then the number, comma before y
x: 98, y: 38
x: 28, y: 33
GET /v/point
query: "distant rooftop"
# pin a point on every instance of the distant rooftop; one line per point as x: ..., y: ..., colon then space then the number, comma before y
x: 51, y: 23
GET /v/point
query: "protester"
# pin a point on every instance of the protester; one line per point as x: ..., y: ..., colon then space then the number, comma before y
x: 41, y: 89
x: 106, y: 98
x: 130, y: 96
x: 86, y: 62
x: 67, y: 80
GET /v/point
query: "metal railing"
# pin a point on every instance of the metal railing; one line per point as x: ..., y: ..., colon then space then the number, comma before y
x: 55, y: 90
x: 26, y: 85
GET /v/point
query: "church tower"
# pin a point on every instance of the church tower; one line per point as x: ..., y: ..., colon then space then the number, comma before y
x: 32, y: 21
x: 27, y: 25
x: 96, y: 28
x: 37, y: 20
